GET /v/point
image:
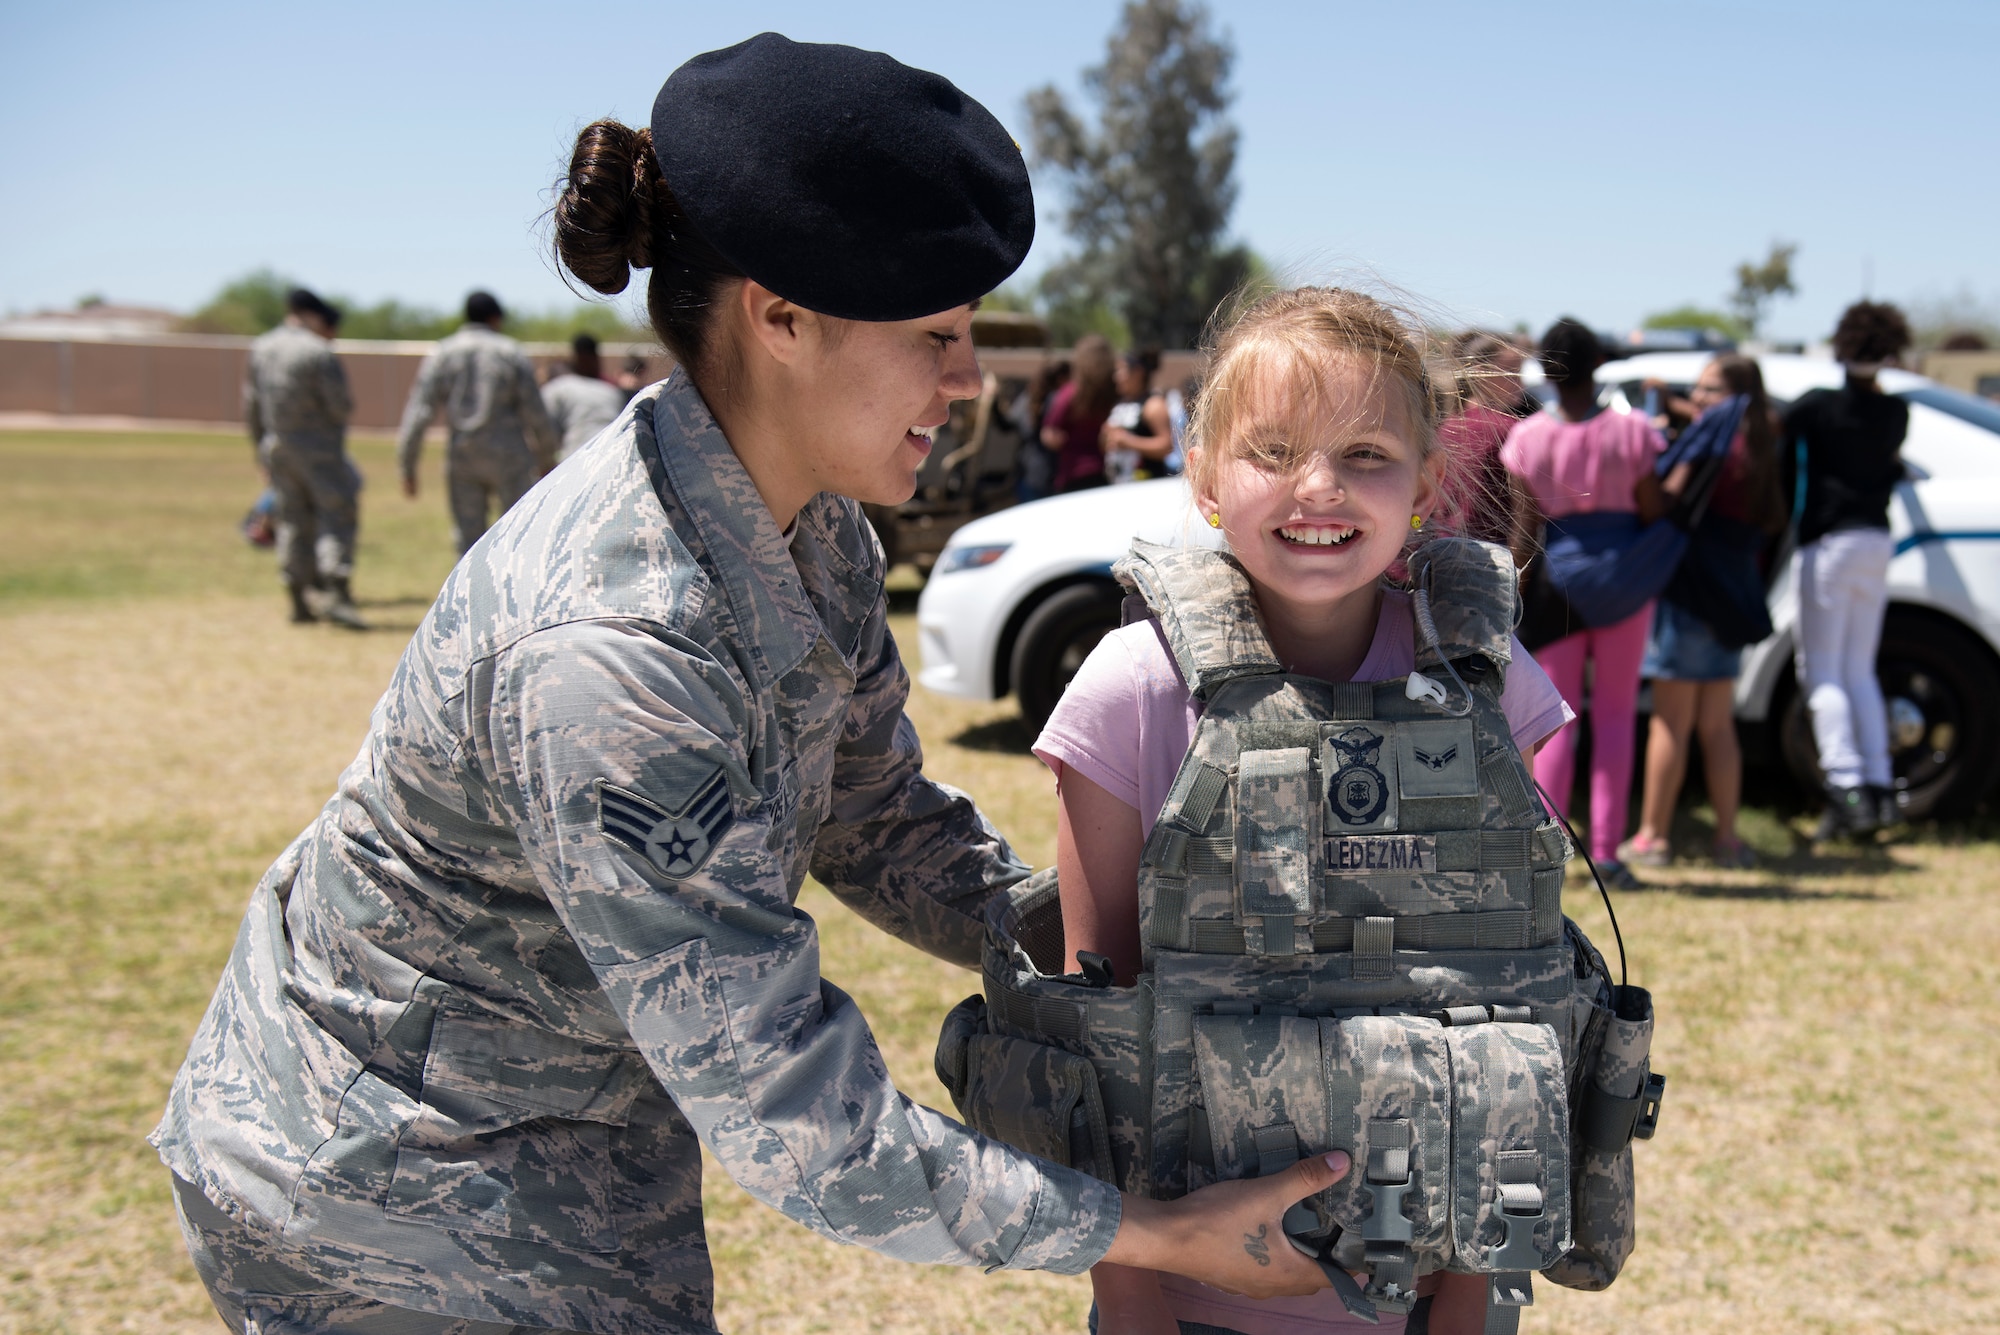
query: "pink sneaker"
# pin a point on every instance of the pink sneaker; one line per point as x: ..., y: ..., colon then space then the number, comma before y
x: 1643, y: 852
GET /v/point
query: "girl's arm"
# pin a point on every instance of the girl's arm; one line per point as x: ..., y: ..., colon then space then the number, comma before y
x: 1156, y: 446
x: 1130, y: 1302
x: 1097, y: 864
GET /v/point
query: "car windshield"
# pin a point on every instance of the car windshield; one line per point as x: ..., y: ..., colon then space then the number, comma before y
x: 1954, y: 404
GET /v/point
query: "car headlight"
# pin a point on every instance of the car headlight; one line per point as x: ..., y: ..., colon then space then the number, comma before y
x: 969, y: 558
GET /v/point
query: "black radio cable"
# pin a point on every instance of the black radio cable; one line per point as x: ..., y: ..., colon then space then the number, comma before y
x: 1576, y: 843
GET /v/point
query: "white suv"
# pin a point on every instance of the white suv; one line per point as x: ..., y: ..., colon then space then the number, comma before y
x: 1017, y: 599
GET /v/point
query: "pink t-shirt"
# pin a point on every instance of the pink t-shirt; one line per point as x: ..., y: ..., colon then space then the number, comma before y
x: 1578, y: 468
x: 1125, y: 722
x: 1127, y: 719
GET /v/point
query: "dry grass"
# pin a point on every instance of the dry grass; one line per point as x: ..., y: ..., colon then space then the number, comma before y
x: 1829, y: 1155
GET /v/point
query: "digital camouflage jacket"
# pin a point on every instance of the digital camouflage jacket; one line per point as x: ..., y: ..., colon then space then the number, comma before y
x: 485, y: 386
x: 295, y: 391
x: 543, y: 937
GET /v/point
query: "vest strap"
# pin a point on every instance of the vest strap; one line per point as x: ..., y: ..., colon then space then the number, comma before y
x: 1017, y: 1013
x: 1374, y: 948
x: 1547, y: 887
x: 1206, y: 784
x: 1206, y: 608
x: 1504, y: 781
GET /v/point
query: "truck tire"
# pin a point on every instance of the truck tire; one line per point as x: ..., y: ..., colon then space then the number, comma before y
x: 1054, y: 641
x: 1940, y: 682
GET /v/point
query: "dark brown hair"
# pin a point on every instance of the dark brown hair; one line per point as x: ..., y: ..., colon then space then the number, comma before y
x: 1091, y: 365
x: 1870, y: 331
x: 1762, y: 502
x: 614, y: 214
x: 1570, y: 351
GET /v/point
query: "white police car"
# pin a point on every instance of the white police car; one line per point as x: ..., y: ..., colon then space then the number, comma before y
x: 1019, y: 598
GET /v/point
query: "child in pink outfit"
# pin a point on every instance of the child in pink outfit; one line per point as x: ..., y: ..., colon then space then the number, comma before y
x: 1577, y: 458
x: 1316, y: 454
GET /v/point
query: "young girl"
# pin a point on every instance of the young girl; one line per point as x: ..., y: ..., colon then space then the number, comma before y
x: 1314, y: 452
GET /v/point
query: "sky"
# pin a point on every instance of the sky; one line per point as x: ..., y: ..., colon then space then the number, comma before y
x: 1502, y: 163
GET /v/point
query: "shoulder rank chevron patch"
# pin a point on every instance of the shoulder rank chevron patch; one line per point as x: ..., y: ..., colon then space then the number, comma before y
x: 676, y: 842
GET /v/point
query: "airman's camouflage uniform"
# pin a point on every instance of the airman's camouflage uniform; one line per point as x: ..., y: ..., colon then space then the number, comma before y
x: 295, y: 407
x: 579, y: 407
x: 543, y: 937
x: 501, y: 438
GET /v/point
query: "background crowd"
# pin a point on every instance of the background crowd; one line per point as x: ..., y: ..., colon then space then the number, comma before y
x: 1813, y: 486
x: 1528, y: 471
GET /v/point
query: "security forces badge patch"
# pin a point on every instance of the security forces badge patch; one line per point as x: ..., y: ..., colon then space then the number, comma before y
x: 676, y: 842
x: 1360, y: 796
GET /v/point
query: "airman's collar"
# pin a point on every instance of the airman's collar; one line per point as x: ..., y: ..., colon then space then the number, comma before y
x: 750, y: 557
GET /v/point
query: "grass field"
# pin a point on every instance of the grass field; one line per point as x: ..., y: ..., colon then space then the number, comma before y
x: 1829, y: 1160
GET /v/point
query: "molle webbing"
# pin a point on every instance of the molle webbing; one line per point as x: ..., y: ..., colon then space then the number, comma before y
x: 1508, y: 896
x: 1503, y: 929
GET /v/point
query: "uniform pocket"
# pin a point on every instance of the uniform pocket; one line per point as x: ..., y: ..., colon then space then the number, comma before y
x: 1036, y: 1098
x: 513, y: 1134
x: 1263, y: 1103
x: 1510, y: 1146
x: 468, y: 1163
x: 1614, y: 1091
x: 1388, y: 1083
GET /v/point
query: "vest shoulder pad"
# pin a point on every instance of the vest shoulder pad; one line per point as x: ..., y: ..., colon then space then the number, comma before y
x: 1474, y: 600
x: 1203, y: 601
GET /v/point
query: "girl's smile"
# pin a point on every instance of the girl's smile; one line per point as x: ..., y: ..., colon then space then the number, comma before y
x: 1315, y: 489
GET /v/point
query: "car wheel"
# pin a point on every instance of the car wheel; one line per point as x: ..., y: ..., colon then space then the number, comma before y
x: 1939, y: 682
x: 1054, y: 641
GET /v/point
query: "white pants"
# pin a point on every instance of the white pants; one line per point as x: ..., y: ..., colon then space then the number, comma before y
x: 1843, y: 583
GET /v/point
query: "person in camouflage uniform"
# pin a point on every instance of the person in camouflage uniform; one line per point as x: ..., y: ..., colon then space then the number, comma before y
x: 501, y: 438
x: 295, y: 407
x: 542, y: 944
x: 581, y: 402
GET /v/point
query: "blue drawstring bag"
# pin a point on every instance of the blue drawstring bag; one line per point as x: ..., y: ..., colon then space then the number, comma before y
x: 1598, y: 569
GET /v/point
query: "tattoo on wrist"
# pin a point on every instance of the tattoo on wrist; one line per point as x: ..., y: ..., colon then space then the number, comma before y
x: 1254, y: 1244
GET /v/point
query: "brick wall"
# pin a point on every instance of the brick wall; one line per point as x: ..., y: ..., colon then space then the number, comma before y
x: 199, y: 378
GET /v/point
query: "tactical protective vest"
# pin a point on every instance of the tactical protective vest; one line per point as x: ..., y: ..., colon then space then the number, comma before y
x: 1350, y: 909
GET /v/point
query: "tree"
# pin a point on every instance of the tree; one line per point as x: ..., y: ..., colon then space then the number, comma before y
x: 1151, y: 189
x: 249, y: 305
x: 256, y: 302
x: 1692, y: 316
x: 1758, y: 284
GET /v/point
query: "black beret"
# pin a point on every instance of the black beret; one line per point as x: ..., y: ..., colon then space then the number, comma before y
x: 842, y: 179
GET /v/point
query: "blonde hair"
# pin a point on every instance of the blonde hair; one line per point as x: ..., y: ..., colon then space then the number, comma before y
x: 1285, y: 341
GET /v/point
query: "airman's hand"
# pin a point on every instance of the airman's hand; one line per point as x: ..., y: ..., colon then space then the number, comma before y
x: 1230, y: 1235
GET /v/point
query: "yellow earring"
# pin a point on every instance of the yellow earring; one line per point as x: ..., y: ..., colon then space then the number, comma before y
x: 1416, y: 523
x: 1215, y: 520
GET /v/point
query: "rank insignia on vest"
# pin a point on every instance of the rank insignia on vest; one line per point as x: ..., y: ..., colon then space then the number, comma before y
x: 676, y: 842
x: 1435, y: 761
x: 1358, y: 793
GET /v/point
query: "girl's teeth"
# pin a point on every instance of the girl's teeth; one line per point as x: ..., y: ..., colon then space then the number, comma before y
x: 1316, y: 537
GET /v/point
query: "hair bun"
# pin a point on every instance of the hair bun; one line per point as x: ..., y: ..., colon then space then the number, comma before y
x: 605, y: 205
